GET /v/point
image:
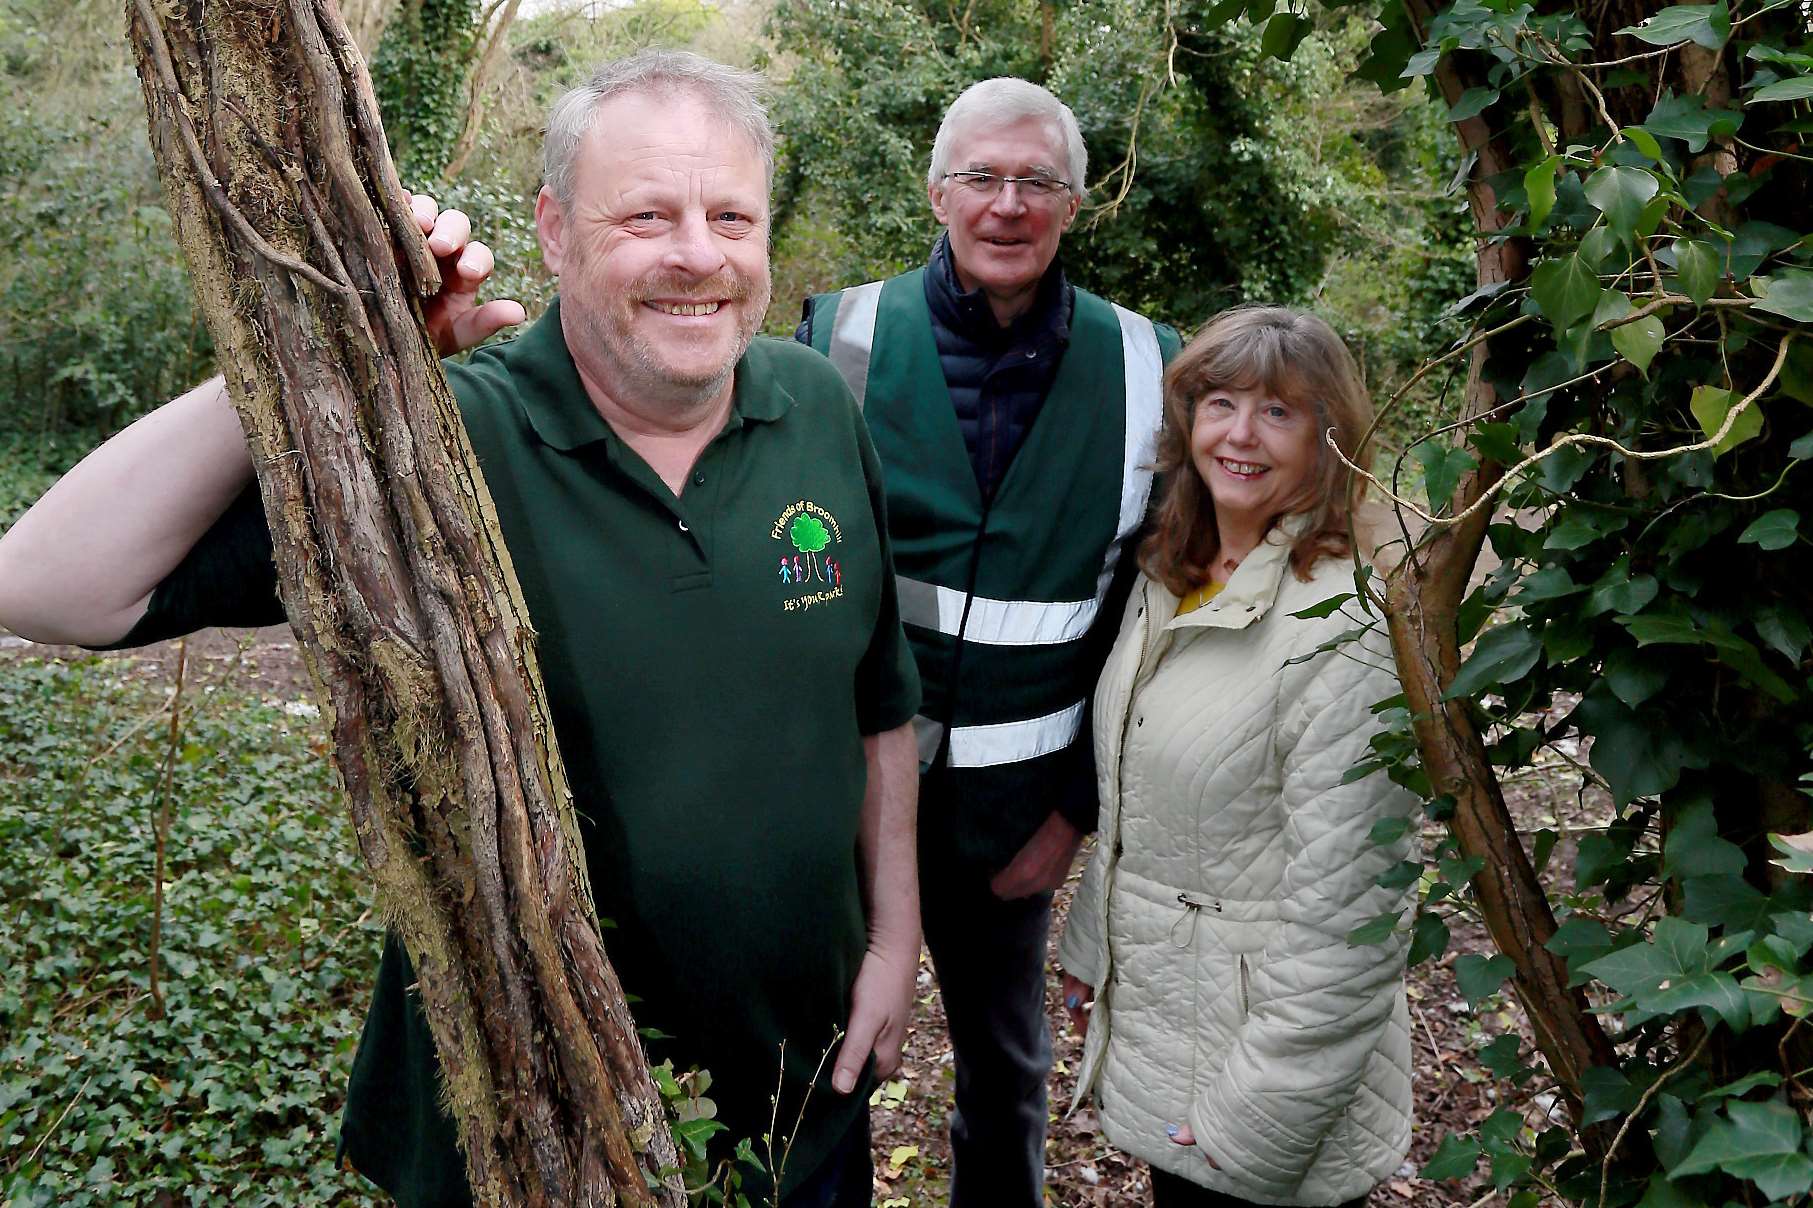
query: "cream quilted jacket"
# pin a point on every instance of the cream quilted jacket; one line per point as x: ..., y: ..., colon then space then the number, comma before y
x: 1231, y: 864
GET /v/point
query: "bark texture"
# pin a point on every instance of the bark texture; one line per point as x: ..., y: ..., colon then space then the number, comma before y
x: 1423, y: 597
x: 307, y: 264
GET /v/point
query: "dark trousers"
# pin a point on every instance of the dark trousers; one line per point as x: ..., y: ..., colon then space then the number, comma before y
x: 989, y: 956
x: 845, y: 1179
x: 1171, y: 1191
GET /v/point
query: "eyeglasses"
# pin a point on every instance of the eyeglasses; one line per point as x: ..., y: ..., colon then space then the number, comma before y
x: 987, y: 184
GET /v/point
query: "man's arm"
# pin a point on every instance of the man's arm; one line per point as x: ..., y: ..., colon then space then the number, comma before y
x: 882, y: 999
x: 81, y: 565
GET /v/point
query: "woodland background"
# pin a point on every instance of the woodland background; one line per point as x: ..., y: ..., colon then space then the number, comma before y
x: 1607, y: 269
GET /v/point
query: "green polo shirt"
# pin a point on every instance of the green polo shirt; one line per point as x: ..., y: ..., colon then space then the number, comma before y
x: 712, y: 662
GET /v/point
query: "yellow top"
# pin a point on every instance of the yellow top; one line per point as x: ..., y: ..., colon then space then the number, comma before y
x: 1199, y: 597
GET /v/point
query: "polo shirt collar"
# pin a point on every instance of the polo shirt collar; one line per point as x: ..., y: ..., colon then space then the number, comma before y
x: 562, y: 414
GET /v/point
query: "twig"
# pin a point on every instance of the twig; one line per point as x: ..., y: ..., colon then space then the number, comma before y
x: 162, y: 825
x: 63, y: 1115
x: 1578, y: 438
x: 1605, y: 1168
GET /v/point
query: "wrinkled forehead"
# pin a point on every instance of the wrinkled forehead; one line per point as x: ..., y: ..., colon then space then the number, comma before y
x: 671, y: 121
x: 1015, y: 147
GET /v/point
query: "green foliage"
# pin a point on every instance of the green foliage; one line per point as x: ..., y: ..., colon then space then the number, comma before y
x: 419, y: 74
x: 232, y: 1097
x: 1237, y: 179
x: 1647, y: 607
x: 96, y: 320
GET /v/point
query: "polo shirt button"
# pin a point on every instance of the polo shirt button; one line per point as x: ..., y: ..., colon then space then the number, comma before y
x: 698, y: 480
x: 683, y: 527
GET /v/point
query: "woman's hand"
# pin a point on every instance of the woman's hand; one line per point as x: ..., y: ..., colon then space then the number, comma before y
x: 1079, y: 996
x: 1180, y: 1134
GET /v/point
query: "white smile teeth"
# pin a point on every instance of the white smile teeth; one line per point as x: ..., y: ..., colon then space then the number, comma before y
x: 1243, y: 467
x: 692, y: 309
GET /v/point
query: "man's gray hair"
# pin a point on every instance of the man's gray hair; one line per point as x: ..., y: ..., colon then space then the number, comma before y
x: 1001, y: 102
x: 733, y: 94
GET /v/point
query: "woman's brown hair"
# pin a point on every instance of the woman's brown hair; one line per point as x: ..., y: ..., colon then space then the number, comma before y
x: 1296, y: 358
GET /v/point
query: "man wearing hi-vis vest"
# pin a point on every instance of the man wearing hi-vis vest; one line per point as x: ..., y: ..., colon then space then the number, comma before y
x: 1015, y: 418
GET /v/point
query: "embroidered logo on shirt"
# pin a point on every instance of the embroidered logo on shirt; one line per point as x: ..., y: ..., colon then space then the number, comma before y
x: 810, y: 571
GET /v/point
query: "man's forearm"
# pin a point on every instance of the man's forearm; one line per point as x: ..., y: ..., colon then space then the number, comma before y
x: 888, y: 839
x: 80, y: 566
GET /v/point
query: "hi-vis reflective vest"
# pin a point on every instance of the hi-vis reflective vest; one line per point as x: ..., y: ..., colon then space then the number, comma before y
x: 1003, y: 599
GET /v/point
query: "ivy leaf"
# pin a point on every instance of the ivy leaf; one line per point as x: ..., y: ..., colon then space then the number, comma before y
x: 1607, y: 1095
x: 1752, y: 1131
x: 1789, y: 293
x: 1715, y: 991
x: 1710, y: 405
x: 1695, y: 848
x: 1639, y: 755
x: 1454, y: 1158
x: 1428, y: 938
x: 1707, y: 25
x: 1621, y: 592
x: 693, y: 1135
x: 1797, y: 89
x: 1282, y: 34
x: 1698, y: 266
x: 1634, y: 677
x: 1495, y: 442
x: 1471, y: 103
x: 1501, y: 656
x: 1644, y: 141
x: 1325, y: 608
x: 1374, y: 930
x: 1443, y: 466
x: 1580, y: 941
x: 1565, y: 290
x: 1797, y: 850
x: 1479, y: 976
x: 1639, y: 342
x: 1620, y: 194
x: 1388, y: 830
x: 1688, y: 119
x: 1581, y: 526
x: 1549, y: 583
x: 1539, y: 187
x: 1785, y: 630
x: 1772, y: 530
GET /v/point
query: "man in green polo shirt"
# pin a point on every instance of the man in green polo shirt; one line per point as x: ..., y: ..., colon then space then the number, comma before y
x: 696, y: 519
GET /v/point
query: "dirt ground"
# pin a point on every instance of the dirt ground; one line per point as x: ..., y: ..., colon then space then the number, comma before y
x: 912, y: 1151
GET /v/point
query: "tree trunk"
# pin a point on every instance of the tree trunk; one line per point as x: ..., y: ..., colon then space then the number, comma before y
x: 496, y: 33
x: 1423, y: 596
x: 306, y: 264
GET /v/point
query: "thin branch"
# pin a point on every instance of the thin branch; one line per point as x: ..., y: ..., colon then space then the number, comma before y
x: 161, y: 827
x: 1649, y: 1092
x: 1578, y: 438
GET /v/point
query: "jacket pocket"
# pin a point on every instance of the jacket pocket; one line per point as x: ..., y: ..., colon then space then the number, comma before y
x: 1246, y: 1006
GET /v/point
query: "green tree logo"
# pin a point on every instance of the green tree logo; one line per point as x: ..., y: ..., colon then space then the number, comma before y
x: 809, y: 536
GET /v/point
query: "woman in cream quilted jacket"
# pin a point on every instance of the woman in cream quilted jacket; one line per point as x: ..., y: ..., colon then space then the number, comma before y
x: 1236, y: 1041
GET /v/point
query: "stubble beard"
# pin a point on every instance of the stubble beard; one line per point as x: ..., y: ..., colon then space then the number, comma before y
x: 634, y: 366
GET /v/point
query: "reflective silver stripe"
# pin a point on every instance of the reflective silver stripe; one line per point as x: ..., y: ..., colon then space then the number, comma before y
x: 1145, y: 376
x: 994, y: 622
x: 928, y: 734
x: 1040, y: 623
x: 1013, y: 741
x: 853, y: 335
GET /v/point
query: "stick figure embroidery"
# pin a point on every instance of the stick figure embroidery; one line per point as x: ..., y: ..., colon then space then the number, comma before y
x: 786, y: 574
